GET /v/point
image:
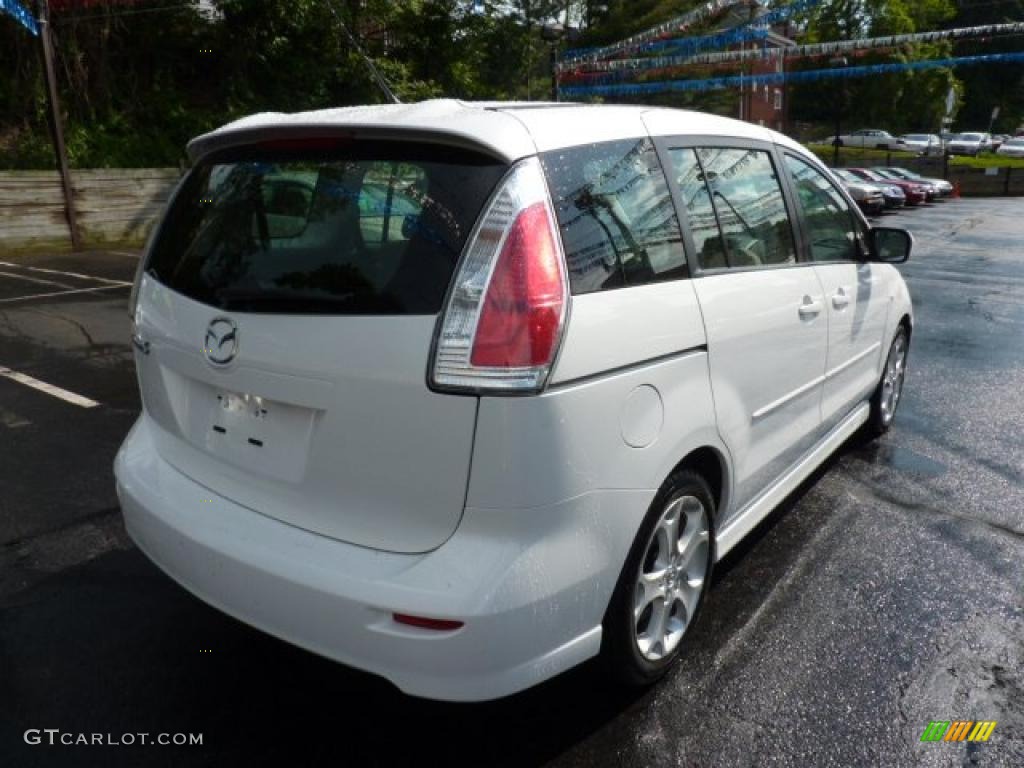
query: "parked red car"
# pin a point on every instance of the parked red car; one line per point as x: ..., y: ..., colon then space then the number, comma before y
x: 915, y: 193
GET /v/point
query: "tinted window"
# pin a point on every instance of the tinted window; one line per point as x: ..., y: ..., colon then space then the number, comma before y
x: 700, y: 214
x: 390, y: 193
x: 751, y: 210
x: 371, y: 228
x: 615, y: 212
x: 828, y: 219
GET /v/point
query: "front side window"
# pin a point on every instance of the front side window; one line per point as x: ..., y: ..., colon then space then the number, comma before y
x: 361, y: 228
x: 615, y: 212
x: 748, y: 200
x: 828, y: 219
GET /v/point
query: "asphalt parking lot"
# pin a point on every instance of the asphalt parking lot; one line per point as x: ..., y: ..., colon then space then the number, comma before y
x: 888, y: 592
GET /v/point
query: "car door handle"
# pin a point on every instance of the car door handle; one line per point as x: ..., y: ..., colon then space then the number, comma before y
x: 810, y: 307
x: 840, y: 300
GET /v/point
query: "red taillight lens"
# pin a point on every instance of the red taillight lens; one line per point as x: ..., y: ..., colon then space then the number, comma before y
x: 522, y: 310
x: 505, y: 315
x: 441, y: 625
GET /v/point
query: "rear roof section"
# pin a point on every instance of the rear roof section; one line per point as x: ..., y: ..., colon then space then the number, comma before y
x: 444, y: 121
x: 506, y: 130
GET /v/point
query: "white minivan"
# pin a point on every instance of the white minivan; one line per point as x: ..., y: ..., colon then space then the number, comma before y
x: 465, y: 394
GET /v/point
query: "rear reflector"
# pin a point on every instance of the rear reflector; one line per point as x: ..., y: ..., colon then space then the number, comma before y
x: 504, y: 320
x: 440, y: 625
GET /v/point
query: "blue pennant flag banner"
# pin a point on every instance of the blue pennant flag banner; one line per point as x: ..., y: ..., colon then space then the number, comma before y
x: 778, y: 78
x: 755, y: 29
x: 19, y: 12
x: 628, y: 67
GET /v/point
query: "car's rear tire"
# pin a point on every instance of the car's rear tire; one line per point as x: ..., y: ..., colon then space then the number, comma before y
x: 890, y: 386
x: 663, y: 583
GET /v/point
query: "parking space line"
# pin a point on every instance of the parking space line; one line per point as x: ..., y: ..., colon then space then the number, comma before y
x: 64, y: 293
x: 50, y: 389
x: 79, y: 275
x: 37, y: 280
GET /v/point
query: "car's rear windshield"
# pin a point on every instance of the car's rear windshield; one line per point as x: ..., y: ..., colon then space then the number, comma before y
x: 346, y: 228
x: 970, y: 137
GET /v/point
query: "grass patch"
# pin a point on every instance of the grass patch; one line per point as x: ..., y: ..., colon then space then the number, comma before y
x: 988, y: 161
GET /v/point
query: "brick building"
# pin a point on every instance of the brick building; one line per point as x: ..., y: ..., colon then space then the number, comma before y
x: 766, y: 104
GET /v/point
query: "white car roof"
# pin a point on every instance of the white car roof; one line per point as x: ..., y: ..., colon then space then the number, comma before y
x: 508, y: 130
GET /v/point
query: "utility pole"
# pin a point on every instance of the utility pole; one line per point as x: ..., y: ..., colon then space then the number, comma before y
x: 57, y: 123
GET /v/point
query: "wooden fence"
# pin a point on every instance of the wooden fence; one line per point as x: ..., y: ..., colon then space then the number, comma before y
x: 115, y: 207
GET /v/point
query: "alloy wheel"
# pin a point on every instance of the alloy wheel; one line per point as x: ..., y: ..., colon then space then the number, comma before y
x: 892, y: 378
x: 671, y: 577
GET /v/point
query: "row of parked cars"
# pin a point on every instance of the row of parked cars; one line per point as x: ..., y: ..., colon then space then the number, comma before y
x: 971, y: 143
x: 880, y: 188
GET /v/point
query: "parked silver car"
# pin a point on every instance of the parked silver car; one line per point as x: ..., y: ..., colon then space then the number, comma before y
x: 972, y: 144
x: 869, y: 197
x: 922, y: 143
x: 1012, y: 148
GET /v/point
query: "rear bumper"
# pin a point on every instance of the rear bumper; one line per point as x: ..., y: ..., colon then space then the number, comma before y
x: 531, y: 585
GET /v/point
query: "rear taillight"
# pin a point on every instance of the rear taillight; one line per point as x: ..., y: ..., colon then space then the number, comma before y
x: 504, y: 319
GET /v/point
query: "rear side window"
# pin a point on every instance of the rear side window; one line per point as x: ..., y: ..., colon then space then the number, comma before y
x: 618, y: 224
x: 363, y: 228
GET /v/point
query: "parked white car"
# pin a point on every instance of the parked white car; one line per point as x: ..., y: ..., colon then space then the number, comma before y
x: 922, y: 143
x: 1012, y: 148
x: 500, y: 391
x: 972, y: 144
x: 871, y: 138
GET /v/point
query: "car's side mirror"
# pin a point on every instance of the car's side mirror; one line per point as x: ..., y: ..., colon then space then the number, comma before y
x: 891, y: 245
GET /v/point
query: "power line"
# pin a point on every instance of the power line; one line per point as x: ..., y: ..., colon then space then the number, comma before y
x: 374, y: 72
x: 111, y: 13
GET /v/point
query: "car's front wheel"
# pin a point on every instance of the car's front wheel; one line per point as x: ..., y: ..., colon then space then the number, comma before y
x: 663, y: 583
x: 890, y: 387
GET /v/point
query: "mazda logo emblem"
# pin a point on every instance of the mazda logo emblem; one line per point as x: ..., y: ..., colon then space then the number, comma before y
x: 221, y: 343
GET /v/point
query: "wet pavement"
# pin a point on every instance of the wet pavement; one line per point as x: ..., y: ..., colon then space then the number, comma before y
x: 886, y: 593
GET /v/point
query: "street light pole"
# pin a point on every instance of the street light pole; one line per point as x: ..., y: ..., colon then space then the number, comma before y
x: 57, y: 123
x: 552, y: 34
x: 554, y: 71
